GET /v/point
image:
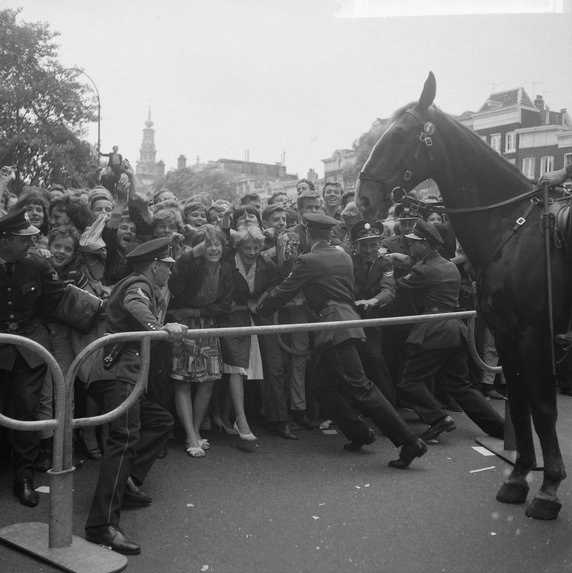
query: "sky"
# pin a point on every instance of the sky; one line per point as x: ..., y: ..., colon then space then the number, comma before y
x: 299, y: 77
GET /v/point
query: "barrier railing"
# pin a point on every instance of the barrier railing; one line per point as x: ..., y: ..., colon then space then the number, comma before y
x: 73, y: 553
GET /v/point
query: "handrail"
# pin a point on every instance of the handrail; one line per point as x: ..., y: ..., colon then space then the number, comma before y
x: 61, y: 497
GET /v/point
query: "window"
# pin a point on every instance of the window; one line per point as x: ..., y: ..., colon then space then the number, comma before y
x: 510, y: 142
x: 546, y: 164
x: 528, y: 167
x: 567, y: 159
x: 496, y: 141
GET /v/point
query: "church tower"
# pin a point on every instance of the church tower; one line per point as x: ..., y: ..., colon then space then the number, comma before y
x: 147, y: 169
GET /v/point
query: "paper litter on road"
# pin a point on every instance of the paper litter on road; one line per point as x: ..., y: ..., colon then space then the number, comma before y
x: 482, y: 469
x: 43, y: 489
x: 315, y: 517
x: 483, y: 451
x: 205, y: 568
x: 330, y: 432
x: 190, y: 505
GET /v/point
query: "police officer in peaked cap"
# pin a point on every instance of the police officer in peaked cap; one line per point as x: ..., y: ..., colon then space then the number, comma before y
x: 439, y: 348
x: 137, y: 436
x: 325, y: 275
x: 30, y: 290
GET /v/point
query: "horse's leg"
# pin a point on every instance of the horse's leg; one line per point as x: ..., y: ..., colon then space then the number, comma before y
x: 515, y: 488
x: 541, y: 388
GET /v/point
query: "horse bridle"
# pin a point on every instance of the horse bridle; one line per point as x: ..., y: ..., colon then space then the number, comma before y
x: 400, y: 194
x: 424, y: 141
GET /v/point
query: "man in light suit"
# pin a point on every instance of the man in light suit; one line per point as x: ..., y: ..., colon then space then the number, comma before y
x: 325, y: 275
x: 438, y: 349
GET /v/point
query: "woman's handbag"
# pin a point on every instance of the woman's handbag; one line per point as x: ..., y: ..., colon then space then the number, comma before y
x: 78, y: 309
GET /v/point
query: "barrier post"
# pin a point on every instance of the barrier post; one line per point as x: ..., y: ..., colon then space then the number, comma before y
x: 53, y: 542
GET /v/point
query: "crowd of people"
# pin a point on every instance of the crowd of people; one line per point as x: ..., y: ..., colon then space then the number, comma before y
x: 161, y: 263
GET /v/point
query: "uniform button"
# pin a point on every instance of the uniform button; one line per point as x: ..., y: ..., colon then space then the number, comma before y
x: 9, y: 303
x: 12, y: 316
x: 9, y: 289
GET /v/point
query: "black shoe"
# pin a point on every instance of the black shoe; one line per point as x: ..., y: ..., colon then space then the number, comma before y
x: 410, y: 450
x: 284, y: 430
x: 362, y: 439
x: 133, y: 496
x: 446, y: 424
x: 111, y: 536
x: 25, y: 492
x: 301, y: 419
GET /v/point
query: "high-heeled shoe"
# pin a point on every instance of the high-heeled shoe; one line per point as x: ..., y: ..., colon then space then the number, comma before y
x: 228, y: 430
x: 250, y: 437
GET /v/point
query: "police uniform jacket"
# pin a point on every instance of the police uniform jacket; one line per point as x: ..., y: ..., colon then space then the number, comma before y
x: 28, y: 297
x: 133, y: 306
x: 397, y: 244
x: 433, y: 284
x: 325, y: 275
x: 373, y: 280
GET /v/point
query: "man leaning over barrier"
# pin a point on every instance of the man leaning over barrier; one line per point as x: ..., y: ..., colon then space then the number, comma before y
x: 137, y: 436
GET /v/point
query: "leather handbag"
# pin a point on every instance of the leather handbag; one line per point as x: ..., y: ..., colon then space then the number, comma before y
x: 78, y: 309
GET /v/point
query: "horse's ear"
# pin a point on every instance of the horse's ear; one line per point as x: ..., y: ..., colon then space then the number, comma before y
x: 428, y: 94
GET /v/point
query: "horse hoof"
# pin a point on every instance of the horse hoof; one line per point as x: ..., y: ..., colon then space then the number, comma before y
x: 543, y: 509
x: 513, y: 492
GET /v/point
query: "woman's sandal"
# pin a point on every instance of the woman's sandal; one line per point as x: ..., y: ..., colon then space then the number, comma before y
x: 203, y: 443
x: 195, y: 452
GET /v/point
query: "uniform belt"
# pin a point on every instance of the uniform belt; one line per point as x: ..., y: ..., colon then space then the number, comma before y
x: 18, y: 327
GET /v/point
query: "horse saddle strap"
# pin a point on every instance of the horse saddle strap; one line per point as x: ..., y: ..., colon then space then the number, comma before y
x: 517, y: 225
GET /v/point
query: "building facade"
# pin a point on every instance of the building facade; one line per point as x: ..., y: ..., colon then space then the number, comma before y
x: 525, y: 132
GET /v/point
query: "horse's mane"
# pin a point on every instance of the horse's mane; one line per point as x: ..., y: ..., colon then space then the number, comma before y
x: 471, y: 136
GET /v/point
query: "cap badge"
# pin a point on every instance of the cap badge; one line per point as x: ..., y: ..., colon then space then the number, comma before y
x: 367, y: 226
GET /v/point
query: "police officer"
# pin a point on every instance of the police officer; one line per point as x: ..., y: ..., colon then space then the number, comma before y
x: 438, y: 349
x: 138, y: 435
x: 30, y: 290
x: 374, y: 288
x: 325, y: 275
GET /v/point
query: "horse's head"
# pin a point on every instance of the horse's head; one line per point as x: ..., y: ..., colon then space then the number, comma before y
x: 401, y: 159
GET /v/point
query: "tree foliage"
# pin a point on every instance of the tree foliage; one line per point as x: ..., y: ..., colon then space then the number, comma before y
x: 43, y: 107
x: 186, y: 182
x: 362, y: 146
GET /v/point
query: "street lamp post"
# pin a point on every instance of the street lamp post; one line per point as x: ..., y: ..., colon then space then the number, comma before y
x: 98, y: 107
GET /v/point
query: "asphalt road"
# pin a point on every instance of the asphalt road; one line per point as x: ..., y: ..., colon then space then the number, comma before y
x: 309, y: 506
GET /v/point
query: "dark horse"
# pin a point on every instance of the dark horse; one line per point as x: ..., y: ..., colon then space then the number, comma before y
x: 507, y: 257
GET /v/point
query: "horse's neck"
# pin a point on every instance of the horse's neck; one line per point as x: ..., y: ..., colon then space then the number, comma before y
x: 473, y: 177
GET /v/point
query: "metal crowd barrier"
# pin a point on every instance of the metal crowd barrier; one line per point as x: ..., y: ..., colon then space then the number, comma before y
x: 55, y: 542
